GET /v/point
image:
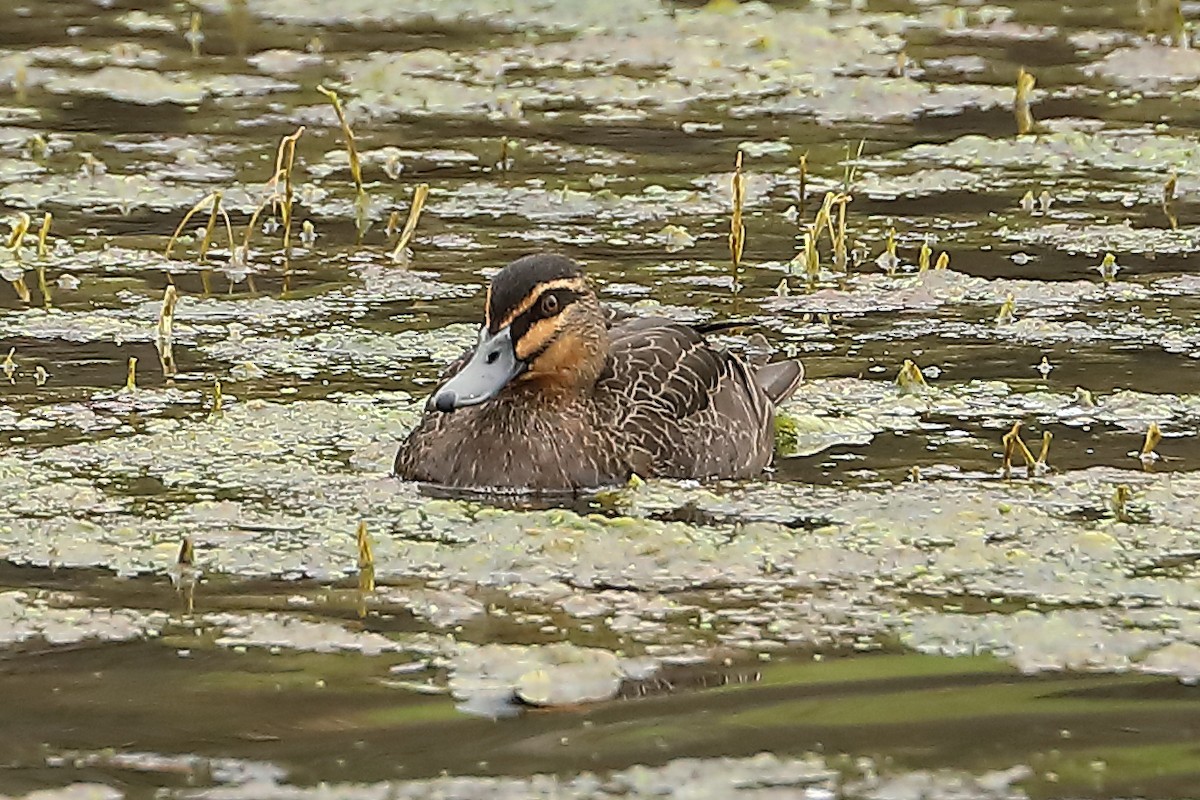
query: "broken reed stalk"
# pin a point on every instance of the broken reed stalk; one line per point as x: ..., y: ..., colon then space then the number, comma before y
x: 848, y: 173
x: 1168, y: 202
x: 812, y: 258
x: 131, y: 375
x: 1120, y: 502
x: 253, y: 223
x: 228, y: 231
x: 924, y: 257
x: 165, y: 339
x: 184, y: 565
x: 43, y: 249
x: 285, y: 159
x: 348, y: 135
x: 218, y: 399
x: 206, y: 242
x: 1008, y: 310
x: 361, y: 202
x: 44, y: 286
x: 187, y: 553
x: 841, y: 254
x: 893, y: 260
x: 1153, y: 437
x: 20, y: 228
x: 1025, y: 84
x: 737, y: 229
x: 420, y: 193
x: 803, y: 182
x: 213, y: 197
x: 1013, y: 443
x: 10, y: 366
x: 1045, y: 452
x: 195, y: 36
x: 366, y: 560
x: 43, y: 235
x: 910, y: 379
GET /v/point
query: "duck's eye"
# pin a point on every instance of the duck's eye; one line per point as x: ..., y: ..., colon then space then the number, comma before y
x: 549, y: 304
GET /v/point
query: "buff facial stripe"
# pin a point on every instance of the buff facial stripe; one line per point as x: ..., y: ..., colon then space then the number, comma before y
x: 578, y: 284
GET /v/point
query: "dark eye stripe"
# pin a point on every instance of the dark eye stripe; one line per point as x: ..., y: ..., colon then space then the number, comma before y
x: 522, y: 324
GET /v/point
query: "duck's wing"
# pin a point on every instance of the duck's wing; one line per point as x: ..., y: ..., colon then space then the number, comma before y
x: 687, y: 408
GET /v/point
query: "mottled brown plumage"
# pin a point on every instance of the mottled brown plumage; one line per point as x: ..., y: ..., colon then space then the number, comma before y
x: 559, y: 395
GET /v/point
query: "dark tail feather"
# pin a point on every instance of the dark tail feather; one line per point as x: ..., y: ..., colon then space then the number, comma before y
x: 721, y: 325
x: 780, y: 379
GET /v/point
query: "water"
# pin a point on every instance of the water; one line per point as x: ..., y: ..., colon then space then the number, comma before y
x: 885, y: 612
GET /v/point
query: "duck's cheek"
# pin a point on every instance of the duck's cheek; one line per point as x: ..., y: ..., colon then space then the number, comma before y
x: 562, y: 360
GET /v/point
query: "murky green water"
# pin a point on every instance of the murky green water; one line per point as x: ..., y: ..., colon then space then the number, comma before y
x: 885, y: 616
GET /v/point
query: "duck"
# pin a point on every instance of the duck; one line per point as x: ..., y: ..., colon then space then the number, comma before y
x: 563, y: 394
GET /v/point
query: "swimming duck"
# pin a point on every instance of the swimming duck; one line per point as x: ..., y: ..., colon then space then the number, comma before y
x: 559, y: 394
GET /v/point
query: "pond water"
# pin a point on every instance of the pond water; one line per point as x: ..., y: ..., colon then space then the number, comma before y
x: 199, y: 418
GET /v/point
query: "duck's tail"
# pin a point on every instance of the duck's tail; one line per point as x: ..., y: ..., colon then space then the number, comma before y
x: 780, y: 379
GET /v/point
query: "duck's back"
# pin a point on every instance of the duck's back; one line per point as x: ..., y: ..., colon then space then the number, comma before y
x: 686, y: 408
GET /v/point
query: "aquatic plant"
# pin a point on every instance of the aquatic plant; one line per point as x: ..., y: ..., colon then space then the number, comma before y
x: 366, y: 560
x: 1025, y: 84
x: 400, y: 253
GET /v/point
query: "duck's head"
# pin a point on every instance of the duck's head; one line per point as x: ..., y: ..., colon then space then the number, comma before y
x: 543, y: 328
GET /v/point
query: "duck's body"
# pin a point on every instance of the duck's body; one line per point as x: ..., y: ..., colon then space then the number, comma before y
x: 558, y: 398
